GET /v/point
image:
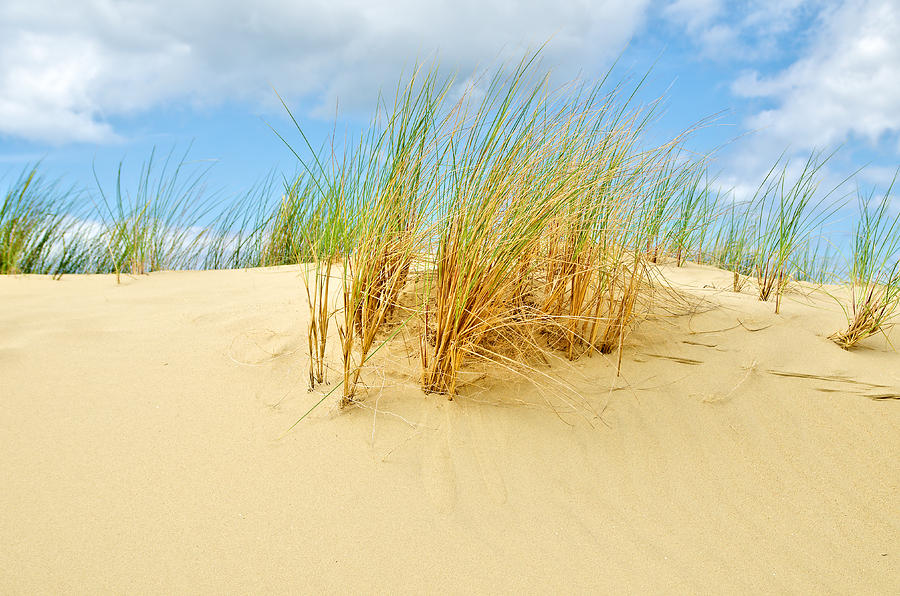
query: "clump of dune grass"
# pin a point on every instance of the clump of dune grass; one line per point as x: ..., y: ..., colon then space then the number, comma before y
x: 694, y: 205
x: 664, y: 183
x: 287, y: 237
x: 732, y: 243
x: 707, y: 215
x: 388, y: 242
x: 311, y: 234
x: 874, y: 272
x: 167, y: 220
x: 241, y: 234
x: 313, y: 227
x: 790, y: 211
x: 594, y: 269
x: 392, y: 217
x: 157, y: 225
x: 535, y: 216
x: 370, y: 216
x: 577, y: 242
x: 768, y: 237
x: 498, y: 199
x: 38, y: 233
x: 815, y: 262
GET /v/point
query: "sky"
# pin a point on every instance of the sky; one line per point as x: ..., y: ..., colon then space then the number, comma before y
x: 85, y: 84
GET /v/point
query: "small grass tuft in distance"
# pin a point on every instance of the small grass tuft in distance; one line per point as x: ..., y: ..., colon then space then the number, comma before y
x: 789, y: 212
x: 874, y: 272
x: 38, y: 230
x: 155, y: 226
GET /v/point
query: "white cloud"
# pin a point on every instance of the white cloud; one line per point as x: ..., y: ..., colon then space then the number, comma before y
x: 740, y: 31
x: 693, y: 14
x: 845, y: 86
x: 67, y: 66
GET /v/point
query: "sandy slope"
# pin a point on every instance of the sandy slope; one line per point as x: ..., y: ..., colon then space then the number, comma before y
x: 140, y: 452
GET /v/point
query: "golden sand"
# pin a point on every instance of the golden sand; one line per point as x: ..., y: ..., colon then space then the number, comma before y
x: 140, y: 451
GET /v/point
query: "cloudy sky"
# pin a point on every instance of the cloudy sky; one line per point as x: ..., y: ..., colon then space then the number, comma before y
x: 87, y: 82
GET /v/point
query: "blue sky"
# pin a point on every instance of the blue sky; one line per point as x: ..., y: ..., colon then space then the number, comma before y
x: 87, y: 83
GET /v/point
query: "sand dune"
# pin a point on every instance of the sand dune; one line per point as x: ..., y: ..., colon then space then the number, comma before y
x: 142, y: 451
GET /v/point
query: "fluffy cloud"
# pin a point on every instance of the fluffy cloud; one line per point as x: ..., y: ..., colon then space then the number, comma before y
x: 740, y: 31
x: 845, y: 86
x: 694, y: 14
x: 65, y: 67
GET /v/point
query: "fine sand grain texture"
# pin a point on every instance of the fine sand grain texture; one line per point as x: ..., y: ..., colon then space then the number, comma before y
x: 141, y: 437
